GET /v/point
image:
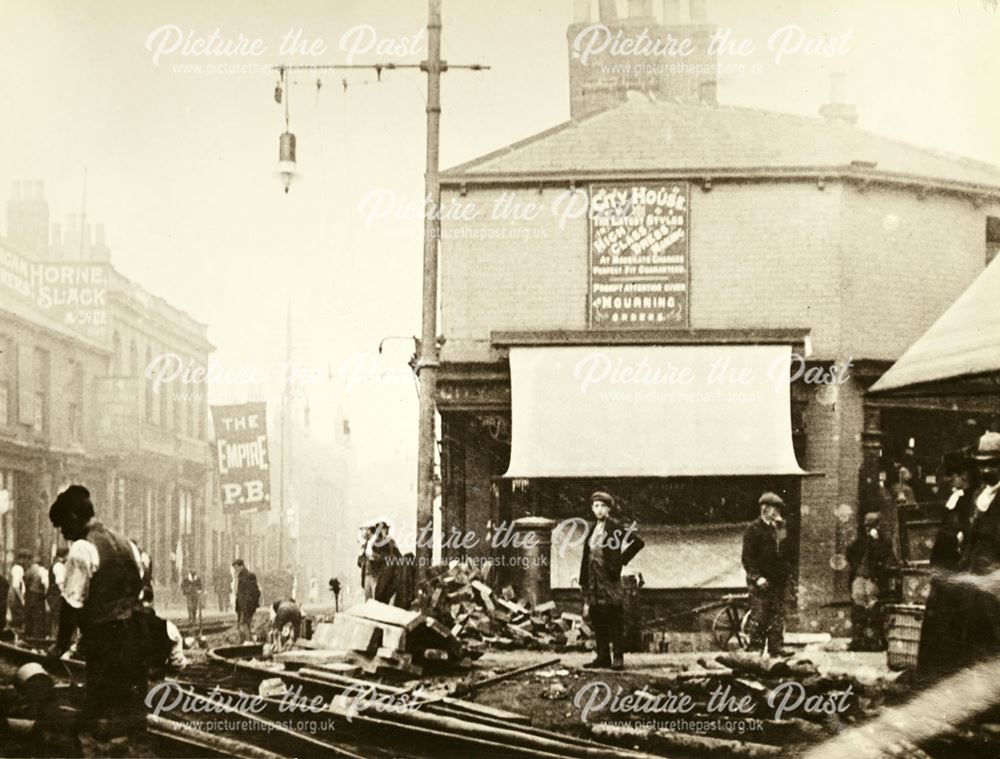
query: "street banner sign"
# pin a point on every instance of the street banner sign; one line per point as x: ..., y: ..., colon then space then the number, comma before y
x: 242, y: 457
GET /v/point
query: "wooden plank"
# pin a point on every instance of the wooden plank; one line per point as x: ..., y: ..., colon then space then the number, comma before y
x: 386, y: 614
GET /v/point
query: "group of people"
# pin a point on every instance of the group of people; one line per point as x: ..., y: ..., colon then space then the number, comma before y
x: 768, y: 561
x: 961, y: 623
x: 30, y: 596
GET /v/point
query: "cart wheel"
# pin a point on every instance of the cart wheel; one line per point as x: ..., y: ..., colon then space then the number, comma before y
x: 729, y: 628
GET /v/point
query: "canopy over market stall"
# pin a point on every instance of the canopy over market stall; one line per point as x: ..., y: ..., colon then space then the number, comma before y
x: 959, y: 355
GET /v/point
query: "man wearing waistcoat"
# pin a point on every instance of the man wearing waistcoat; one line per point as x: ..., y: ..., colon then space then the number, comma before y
x: 100, y: 597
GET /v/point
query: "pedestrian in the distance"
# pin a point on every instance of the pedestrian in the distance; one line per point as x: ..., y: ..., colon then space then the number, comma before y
x: 222, y: 585
x: 766, y: 562
x: 36, y: 588
x: 57, y: 580
x: 247, y: 599
x: 191, y: 588
x: 608, y: 547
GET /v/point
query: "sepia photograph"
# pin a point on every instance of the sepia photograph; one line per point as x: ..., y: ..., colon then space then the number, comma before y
x: 557, y: 379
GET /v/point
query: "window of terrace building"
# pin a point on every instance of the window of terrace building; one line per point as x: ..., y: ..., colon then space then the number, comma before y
x: 150, y: 406
x: 40, y: 410
x: 8, y: 375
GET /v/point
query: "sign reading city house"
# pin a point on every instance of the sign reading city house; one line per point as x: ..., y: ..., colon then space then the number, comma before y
x: 639, y: 255
x: 242, y: 457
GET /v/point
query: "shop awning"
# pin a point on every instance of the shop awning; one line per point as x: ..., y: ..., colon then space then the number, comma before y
x: 651, y: 411
x: 957, y: 350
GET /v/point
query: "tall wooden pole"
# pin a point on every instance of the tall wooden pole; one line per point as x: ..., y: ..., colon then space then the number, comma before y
x: 427, y: 352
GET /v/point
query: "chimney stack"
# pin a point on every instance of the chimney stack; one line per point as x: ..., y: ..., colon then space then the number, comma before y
x: 28, y: 218
x: 838, y: 110
x: 671, y: 12
x: 641, y: 10
x: 608, y: 11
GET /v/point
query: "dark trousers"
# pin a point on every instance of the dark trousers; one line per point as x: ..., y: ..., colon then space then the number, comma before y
x: 868, y: 627
x: 606, y: 620
x: 35, y: 618
x: 192, y: 602
x: 767, y: 618
x: 113, y: 709
x: 244, y: 619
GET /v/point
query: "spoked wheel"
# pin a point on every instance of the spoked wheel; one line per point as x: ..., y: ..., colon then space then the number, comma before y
x: 729, y: 628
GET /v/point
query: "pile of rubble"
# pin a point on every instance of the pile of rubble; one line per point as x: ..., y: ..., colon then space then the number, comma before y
x: 379, y: 639
x: 461, y: 597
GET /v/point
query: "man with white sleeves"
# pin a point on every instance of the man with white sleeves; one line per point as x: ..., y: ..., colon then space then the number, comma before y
x: 101, y: 598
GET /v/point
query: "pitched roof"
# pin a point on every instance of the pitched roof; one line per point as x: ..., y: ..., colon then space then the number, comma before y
x: 642, y: 135
x: 962, y: 343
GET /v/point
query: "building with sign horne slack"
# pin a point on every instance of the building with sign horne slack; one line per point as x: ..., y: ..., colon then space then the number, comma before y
x: 810, y: 253
x: 76, y: 406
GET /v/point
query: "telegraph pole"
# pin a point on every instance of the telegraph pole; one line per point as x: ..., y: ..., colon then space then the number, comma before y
x: 427, y: 349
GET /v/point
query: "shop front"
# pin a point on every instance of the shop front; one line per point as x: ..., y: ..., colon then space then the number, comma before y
x: 685, y: 430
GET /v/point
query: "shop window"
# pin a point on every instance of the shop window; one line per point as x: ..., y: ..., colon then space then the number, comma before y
x: 992, y: 238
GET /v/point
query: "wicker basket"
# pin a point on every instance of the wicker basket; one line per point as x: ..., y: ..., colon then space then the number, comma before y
x: 904, y: 635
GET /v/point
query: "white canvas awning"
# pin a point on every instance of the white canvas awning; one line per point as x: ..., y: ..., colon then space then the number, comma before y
x: 960, y: 347
x: 651, y: 411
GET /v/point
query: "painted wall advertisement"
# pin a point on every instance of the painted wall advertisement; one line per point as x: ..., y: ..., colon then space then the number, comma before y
x: 639, y: 273
x: 243, y: 457
x: 74, y: 294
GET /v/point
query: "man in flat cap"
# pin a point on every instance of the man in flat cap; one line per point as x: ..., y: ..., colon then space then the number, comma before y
x: 608, y: 547
x: 766, y: 562
x: 100, y: 597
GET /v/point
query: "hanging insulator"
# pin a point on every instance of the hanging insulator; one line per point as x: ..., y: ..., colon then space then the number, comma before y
x: 286, y: 158
x: 277, y: 93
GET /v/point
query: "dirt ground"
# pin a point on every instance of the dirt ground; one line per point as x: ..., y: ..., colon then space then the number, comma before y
x: 548, y: 694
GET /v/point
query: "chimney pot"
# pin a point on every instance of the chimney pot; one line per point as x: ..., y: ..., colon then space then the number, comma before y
x: 608, y: 10
x: 838, y: 110
x: 640, y: 9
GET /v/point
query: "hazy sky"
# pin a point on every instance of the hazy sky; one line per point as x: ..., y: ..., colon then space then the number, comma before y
x: 181, y: 163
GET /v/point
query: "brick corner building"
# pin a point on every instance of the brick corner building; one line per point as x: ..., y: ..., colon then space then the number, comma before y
x: 803, y: 235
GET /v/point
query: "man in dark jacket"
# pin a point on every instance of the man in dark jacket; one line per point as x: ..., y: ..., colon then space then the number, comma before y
x: 766, y: 562
x: 873, y: 568
x: 191, y: 588
x: 222, y: 582
x: 101, y: 597
x: 36, y: 588
x: 247, y: 598
x: 607, y: 548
